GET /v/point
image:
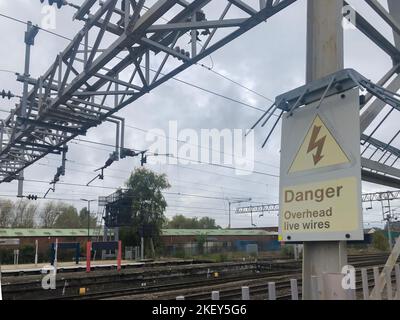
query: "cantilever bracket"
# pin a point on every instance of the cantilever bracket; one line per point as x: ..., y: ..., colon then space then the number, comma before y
x: 50, y: 189
x: 321, y: 89
x: 100, y: 176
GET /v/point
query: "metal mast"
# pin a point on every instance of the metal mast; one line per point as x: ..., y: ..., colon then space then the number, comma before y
x: 324, y: 56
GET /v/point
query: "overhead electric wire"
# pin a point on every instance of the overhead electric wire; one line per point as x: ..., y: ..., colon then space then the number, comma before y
x: 235, y: 82
x: 42, y: 29
x: 209, y: 172
x: 116, y: 188
x: 169, y: 178
x: 8, y: 71
x: 236, y: 194
x: 169, y: 138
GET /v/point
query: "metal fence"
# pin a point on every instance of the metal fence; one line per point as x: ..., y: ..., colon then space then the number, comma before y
x: 369, y: 285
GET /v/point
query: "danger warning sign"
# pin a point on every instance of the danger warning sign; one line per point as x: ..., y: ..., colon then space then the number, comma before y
x: 319, y: 149
x: 320, y: 207
x: 320, y: 186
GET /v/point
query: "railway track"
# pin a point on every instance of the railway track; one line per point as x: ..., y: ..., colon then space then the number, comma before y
x: 171, y: 291
x: 139, y: 285
x: 283, y: 289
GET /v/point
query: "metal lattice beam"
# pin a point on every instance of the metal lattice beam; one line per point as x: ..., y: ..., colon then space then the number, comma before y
x: 366, y: 197
x: 71, y: 96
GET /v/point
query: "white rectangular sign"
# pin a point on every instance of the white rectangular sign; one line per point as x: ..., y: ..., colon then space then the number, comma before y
x: 320, y: 181
x: 9, y: 242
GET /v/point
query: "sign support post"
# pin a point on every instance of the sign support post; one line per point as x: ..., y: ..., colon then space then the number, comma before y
x: 325, y: 55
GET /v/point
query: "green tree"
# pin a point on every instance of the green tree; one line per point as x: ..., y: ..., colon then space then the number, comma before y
x: 182, y: 222
x: 201, y: 241
x: 83, y: 219
x: 24, y: 214
x: 148, y: 204
x: 208, y: 223
x: 68, y: 217
x: 48, y: 215
x: 379, y: 241
x: 6, y: 213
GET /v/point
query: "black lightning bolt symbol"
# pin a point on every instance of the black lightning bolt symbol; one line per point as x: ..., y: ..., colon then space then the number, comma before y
x: 316, y: 144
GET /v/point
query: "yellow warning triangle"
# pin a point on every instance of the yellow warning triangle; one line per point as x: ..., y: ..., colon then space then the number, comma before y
x: 319, y: 149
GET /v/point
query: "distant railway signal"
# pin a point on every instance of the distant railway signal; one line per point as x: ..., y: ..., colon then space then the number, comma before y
x: 143, y: 160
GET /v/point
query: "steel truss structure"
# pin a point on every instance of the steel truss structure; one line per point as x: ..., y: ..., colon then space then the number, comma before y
x: 379, y: 106
x: 337, y: 83
x: 262, y: 208
x: 367, y: 197
x: 125, y: 50
x: 381, y: 196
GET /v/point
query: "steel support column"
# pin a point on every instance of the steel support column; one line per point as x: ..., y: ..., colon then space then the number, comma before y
x: 394, y: 10
x: 324, y: 56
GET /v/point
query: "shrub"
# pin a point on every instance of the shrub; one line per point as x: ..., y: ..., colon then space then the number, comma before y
x: 222, y: 257
x: 180, y: 253
x: 287, y: 251
x: 379, y: 241
x: 27, y: 254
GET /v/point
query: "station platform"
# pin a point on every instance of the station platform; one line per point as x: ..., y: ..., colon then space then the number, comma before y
x: 64, y: 266
x: 81, y: 267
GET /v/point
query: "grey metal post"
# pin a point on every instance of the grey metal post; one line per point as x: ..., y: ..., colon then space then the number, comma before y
x: 16, y: 256
x: 1, y: 135
x: 88, y: 222
x: 142, y: 248
x: 364, y: 278
x: 20, y: 193
x: 315, y: 288
x: 1, y: 292
x: 387, y: 219
x: 55, y: 255
x: 296, y: 252
x: 389, y: 234
x: 36, y: 252
x: 389, y: 288
x: 271, y: 291
x: 324, y: 56
x: 294, y: 289
x: 194, y: 37
x: 26, y: 70
x: 376, y: 282
x: 116, y: 234
x: 394, y: 9
x: 397, y: 270
x: 88, y: 218
x: 31, y: 32
x: 245, y: 293
x: 105, y: 238
x: 215, y: 295
x: 229, y: 224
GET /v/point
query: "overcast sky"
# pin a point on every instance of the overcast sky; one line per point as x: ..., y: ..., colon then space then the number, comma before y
x: 270, y: 59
